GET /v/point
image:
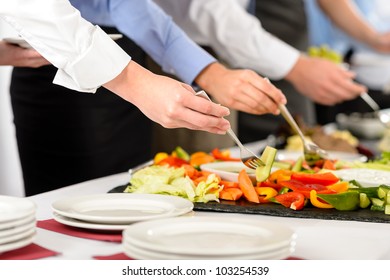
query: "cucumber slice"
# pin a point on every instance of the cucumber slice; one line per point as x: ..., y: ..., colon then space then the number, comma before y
x: 377, y: 202
x: 382, y: 191
x: 387, y: 198
x: 283, y: 190
x: 364, y: 200
x: 387, y: 209
x: 377, y: 208
x: 282, y: 165
x: 298, y: 164
x: 268, y: 157
x: 371, y: 192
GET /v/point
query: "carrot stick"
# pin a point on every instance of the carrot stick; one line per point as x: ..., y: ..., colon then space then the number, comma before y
x: 247, y: 187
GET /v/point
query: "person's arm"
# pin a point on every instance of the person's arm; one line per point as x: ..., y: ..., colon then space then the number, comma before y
x: 239, y: 38
x: 167, y: 101
x: 324, y: 81
x: 87, y: 58
x: 347, y: 16
x: 236, y: 36
x: 13, y: 55
x: 57, y: 31
x: 171, y: 48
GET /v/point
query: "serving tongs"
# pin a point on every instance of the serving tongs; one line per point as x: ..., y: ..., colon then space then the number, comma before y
x: 383, y: 117
x: 311, y: 151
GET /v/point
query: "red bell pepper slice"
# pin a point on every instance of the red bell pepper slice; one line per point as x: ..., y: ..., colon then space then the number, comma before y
x: 293, y: 200
x: 172, y: 161
x: 269, y: 184
x: 325, y: 179
x: 305, y: 189
x: 223, y: 155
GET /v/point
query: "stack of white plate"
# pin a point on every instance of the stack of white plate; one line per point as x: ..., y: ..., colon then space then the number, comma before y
x: 17, y: 223
x: 208, y: 238
x: 115, y: 211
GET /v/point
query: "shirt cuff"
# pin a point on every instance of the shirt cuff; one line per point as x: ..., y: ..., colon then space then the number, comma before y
x: 284, y: 62
x: 102, y: 62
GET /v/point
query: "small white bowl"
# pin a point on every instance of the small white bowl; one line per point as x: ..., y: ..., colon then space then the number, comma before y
x: 361, y: 126
x: 228, y: 170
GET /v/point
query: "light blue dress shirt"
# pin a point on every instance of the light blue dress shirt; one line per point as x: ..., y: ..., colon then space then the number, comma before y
x: 153, y: 30
x: 323, y: 32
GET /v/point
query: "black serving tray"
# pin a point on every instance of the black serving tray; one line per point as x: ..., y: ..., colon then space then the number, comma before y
x: 245, y: 207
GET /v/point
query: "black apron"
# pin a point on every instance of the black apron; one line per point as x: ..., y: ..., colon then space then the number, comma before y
x: 66, y: 137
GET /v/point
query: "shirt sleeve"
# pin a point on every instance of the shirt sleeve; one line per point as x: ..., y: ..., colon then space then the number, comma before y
x: 153, y: 30
x: 234, y: 34
x: 85, y: 56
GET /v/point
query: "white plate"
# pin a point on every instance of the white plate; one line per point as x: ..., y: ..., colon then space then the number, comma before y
x: 12, y: 208
x: 17, y: 244
x: 81, y: 224
x: 22, y: 43
x: 294, y: 155
x: 228, y: 170
x: 21, y: 235
x: 208, y: 236
x: 122, y: 208
x: 17, y: 229
x: 17, y: 222
x: 366, y: 177
x: 141, y: 254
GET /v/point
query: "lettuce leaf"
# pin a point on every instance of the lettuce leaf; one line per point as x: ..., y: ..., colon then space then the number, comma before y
x: 173, y: 181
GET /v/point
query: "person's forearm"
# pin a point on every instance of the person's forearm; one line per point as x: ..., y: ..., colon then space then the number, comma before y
x: 346, y: 16
x: 57, y: 31
x: 238, y: 39
x: 167, y: 101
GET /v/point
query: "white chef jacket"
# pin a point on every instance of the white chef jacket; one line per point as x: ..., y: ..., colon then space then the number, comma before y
x: 86, y: 57
x: 235, y: 35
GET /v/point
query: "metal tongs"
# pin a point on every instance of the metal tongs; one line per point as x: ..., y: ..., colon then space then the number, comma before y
x: 311, y: 151
x: 384, y: 117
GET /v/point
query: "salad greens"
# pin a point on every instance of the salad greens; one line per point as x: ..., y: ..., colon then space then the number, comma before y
x: 173, y: 181
x: 381, y: 163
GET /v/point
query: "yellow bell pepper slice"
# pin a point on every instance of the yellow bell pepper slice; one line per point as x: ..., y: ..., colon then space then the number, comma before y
x: 317, y: 203
x: 159, y: 157
x: 280, y: 175
x: 265, y: 193
x: 339, y: 187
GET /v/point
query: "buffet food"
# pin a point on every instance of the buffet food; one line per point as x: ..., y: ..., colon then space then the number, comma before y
x: 293, y: 184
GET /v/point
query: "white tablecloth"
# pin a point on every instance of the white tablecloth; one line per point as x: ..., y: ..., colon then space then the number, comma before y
x: 316, y: 239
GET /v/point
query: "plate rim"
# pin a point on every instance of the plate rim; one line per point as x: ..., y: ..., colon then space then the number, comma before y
x: 286, y: 234
x: 18, y: 243
x: 85, y: 225
x: 179, y: 205
x: 279, y: 253
x: 23, y: 208
x: 17, y: 229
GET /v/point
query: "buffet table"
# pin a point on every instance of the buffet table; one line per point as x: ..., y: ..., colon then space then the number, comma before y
x: 317, y: 239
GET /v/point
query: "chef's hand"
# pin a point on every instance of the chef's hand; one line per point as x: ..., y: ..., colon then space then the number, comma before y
x: 324, y: 81
x: 167, y: 101
x: 13, y: 55
x: 243, y: 90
